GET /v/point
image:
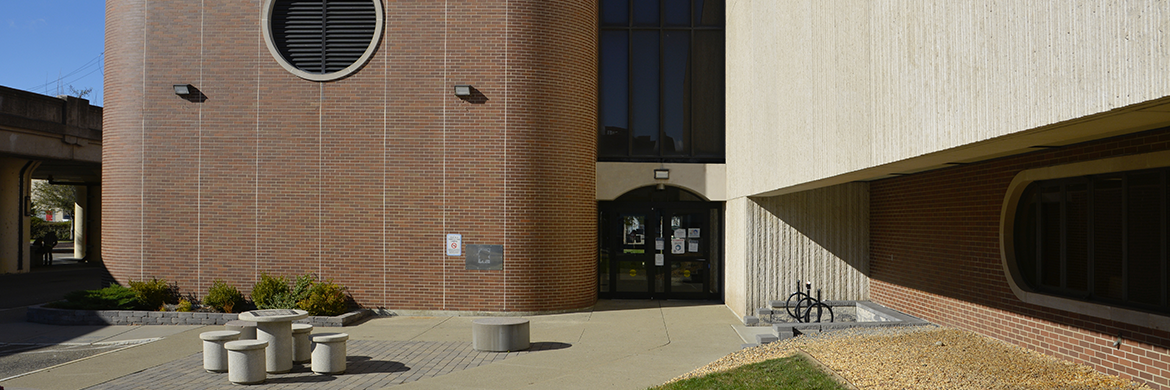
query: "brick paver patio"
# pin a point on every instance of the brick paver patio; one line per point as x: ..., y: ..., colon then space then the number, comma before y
x: 371, y: 364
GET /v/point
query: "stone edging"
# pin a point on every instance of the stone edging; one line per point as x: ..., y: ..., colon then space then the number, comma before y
x: 44, y: 315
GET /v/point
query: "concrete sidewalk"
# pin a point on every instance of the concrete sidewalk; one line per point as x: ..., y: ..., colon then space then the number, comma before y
x: 619, y: 344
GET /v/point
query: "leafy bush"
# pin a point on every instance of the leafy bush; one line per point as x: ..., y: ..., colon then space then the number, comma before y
x: 325, y: 299
x: 155, y: 293
x: 184, y: 305
x: 268, y: 290
x: 114, y: 297
x: 273, y: 292
x: 223, y: 297
x: 40, y: 227
x: 300, y: 292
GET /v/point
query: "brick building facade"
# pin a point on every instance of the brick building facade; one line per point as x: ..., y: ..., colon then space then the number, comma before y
x: 875, y: 147
x: 357, y: 179
x: 935, y: 242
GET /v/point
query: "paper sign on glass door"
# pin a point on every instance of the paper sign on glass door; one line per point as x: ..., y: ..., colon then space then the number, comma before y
x: 678, y: 246
x: 692, y: 246
x: 693, y: 232
x: 659, y: 244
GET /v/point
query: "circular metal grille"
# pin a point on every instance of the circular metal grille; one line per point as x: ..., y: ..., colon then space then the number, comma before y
x: 323, y: 40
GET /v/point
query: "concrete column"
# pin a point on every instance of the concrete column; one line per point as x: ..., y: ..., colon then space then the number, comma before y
x: 735, y: 252
x: 15, y: 187
x: 79, y: 225
x: 93, y: 224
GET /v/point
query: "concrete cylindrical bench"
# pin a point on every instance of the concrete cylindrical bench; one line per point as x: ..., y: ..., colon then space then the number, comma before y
x: 302, y: 345
x: 246, y: 361
x: 499, y: 334
x: 247, y: 329
x: 329, y: 353
x: 215, y: 357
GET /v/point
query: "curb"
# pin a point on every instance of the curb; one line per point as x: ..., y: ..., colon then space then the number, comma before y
x: 44, y: 315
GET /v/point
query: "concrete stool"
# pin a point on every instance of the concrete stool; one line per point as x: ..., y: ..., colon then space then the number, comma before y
x: 329, y: 353
x: 302, y: 346
x: 247, y: 329
x: 499, y: 334
x: 246, y: 361
x: 214, y: 355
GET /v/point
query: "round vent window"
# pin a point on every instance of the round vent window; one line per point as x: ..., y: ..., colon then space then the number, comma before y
x: 322, y: 40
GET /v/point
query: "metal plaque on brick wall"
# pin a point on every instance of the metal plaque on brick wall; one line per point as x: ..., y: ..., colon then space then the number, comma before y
x: 485, y: 257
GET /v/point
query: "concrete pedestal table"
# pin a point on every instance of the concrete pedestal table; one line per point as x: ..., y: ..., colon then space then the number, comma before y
x: 275, y: 327
x: 498, y: 334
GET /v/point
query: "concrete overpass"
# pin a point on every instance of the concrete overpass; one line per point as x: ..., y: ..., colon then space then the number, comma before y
x: 50, y: 138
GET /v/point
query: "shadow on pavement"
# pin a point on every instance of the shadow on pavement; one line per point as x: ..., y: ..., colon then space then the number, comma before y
x: 636, y: 304
x: 48, y: 284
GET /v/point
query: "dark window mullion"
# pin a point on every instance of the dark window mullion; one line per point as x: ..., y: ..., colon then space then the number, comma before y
x: 1090, y: 192
x: 689, y: 100
x: 661, y: 85
x: 630, y: 10
x: 1125, y: 238
x: 661, y: 80
x: 630, y: 86
x: 689, y: 119
x: 1162, y: 204
x: 1064, y: 236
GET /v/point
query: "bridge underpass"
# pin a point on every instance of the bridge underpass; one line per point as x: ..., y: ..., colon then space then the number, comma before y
x: 58, y: 139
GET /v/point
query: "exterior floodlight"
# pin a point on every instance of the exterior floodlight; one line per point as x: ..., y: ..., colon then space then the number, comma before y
x: 183, y: 89
x: 462, y: 90
x: 662, y: 174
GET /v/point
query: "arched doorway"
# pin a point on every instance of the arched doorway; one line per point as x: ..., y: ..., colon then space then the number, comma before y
x: 660, y: 243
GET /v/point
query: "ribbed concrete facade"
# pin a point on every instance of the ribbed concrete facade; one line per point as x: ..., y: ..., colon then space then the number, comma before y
x: 896, y: 116
x: 819, y: 236
x: 817, y: 90
x: 359, y: 179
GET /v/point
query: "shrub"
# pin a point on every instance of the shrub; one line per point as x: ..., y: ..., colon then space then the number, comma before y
x: 114, y: 297
x: 268, y: 290
x: 184, y: 305
x: 223, y: 297
x: 155, y: 293
x: 299, y: 292
x: 39, y: 227
x: 325, y: 299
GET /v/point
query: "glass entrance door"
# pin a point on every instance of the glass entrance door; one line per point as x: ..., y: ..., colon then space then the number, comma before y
x: 633, y: 255
x: 687, y: 263
x: 661, y: 250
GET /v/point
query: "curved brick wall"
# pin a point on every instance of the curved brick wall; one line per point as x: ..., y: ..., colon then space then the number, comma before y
x: 935, y: 254
x: 360, y: 179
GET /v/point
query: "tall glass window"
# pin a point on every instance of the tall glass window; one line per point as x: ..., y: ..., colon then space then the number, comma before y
x: 661, y: 74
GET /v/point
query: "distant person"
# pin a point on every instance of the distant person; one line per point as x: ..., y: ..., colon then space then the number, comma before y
x: 50, y: 243
x: 38, y: 250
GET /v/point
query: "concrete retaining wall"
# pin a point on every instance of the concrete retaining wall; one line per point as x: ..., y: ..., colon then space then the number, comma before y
x: 44, y: 315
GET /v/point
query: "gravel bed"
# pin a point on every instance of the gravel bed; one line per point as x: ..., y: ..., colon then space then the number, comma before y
x: 926, y: 357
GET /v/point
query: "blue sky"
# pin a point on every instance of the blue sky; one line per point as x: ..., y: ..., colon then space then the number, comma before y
x: 46, y: 46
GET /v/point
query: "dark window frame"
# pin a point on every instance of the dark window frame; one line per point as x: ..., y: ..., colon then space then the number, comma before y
x: 690, y: 130
x: 1031, y: 221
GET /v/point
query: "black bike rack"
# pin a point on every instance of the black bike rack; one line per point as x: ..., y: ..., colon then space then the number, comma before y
x: 805, y: 303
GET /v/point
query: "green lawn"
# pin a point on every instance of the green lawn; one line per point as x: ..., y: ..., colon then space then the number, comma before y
x: 793, y: 372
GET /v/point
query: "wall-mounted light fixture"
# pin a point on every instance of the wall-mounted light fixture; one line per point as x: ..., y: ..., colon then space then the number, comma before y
x: 183, y: 89
x: 661, y: 174
x: 462, y: 90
